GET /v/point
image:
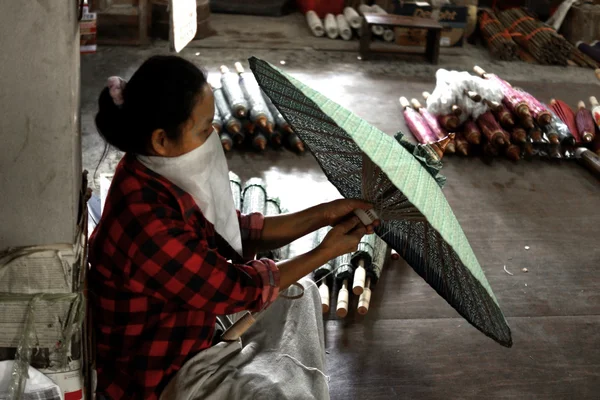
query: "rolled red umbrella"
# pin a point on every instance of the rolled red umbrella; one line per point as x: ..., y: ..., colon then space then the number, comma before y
x: 504, y: 116
x: 491, y: 129
x: 441, y: 147
x: 449, y: 122
x: 512, y: 99
x: 511, y: 151
x: 518, y: 135
x: 490, y: 150
x: 527, y: 149
x: 472, y: 133
x: 585, y: 123
x: 541, y: 114
x: 596, y: 145
x: 462, y: 145
x: 430, y: 119
x: 566, y: 115
x: 536, y: 134
x: 451, y: 147
x: 416, y: 123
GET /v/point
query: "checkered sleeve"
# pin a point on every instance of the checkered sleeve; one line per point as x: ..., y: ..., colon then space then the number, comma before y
x: 251, y: 227
x: 172, y: 262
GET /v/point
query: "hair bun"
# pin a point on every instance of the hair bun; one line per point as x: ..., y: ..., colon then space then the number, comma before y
x: 111, y: 122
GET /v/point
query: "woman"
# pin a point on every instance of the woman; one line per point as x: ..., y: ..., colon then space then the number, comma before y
x: 171, y: 253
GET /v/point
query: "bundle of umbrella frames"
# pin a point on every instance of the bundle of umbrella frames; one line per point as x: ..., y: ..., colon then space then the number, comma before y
x: 246, y: 118
x: 361, y: 270
x: 485, y: 115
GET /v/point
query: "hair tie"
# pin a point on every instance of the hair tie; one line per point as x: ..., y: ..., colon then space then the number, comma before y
x: 116, y: 86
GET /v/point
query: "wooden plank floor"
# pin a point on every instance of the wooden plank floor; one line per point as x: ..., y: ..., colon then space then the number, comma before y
x: 412, y: 345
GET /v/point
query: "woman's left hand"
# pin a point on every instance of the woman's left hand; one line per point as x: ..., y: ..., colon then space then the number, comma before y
x: 337, y: 210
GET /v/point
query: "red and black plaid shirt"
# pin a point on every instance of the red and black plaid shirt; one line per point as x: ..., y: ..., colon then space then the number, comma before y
x: 159, y: 277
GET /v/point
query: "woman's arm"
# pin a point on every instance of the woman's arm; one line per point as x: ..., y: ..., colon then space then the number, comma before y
x: 342, y: 239
x: 281, y: 230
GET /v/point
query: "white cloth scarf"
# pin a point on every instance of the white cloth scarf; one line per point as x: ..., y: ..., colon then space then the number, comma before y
x: 204, y: 174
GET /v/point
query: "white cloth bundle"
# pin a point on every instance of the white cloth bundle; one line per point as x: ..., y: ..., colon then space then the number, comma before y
x: 450, y: 90
x: 376, y: 29
x: 315, y: 24
x: 331, y: 27
x: 343, y: 27
x: 352, y: 17
x: 388, y: 34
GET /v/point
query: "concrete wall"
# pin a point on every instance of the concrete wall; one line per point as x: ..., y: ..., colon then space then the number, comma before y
x: 40, y: 149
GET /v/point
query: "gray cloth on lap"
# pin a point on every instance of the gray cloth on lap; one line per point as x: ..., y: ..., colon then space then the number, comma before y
x: 259, y: 366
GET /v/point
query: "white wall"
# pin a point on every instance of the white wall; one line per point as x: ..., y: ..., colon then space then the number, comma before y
x: 40, y: 149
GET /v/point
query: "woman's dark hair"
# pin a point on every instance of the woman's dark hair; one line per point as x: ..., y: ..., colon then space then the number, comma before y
x: 161, y: 94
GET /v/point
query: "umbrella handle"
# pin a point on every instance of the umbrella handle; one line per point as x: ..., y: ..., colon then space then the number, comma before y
x: 366, y: 217
x: 239, y: 327
x: 342, y: 303
x: 365, y: 299
x: 360, y: 275
x: 324, y: 292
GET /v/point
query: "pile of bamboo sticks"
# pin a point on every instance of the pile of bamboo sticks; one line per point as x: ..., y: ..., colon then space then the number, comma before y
x: 540, y: 40
x: 497, y: 38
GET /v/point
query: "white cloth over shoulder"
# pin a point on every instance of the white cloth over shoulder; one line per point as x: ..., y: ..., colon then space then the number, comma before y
x: 281, y: 358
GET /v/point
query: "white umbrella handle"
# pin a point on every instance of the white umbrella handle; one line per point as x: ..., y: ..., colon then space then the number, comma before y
x: 366, y: 217
x: 324, y: 292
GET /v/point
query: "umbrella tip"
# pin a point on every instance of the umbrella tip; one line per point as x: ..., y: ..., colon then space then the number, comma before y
x: 239, y: 67
x: 260, y: 142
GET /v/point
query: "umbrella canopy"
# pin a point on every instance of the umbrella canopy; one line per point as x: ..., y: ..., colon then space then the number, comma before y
x: 417, y: 222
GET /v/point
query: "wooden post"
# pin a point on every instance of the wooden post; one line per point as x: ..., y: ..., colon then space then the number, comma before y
x: 432, y: 51
x: 365, y: 39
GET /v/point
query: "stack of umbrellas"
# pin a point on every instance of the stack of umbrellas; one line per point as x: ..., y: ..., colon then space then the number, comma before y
x: 498, y: 119
x: 245, y: 118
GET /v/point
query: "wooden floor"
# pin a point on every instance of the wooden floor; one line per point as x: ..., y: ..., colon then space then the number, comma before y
x: 412, y: 345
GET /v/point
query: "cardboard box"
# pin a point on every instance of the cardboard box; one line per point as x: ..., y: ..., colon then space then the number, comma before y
x: 452, y: 18
x: 87, y: 31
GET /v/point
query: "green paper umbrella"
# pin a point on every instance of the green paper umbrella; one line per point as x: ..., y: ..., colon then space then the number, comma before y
x: 417, y: 221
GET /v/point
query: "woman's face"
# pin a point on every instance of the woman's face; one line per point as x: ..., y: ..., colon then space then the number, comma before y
x: 195, y: 131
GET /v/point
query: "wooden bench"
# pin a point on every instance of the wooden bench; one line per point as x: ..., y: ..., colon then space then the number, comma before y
x: 434, y: 32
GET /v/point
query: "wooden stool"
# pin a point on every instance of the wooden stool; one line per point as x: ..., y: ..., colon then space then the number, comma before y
x: 434, y: 33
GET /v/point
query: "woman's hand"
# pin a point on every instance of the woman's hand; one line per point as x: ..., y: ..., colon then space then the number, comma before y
x: 343, y: 238
x: 338, y: 210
